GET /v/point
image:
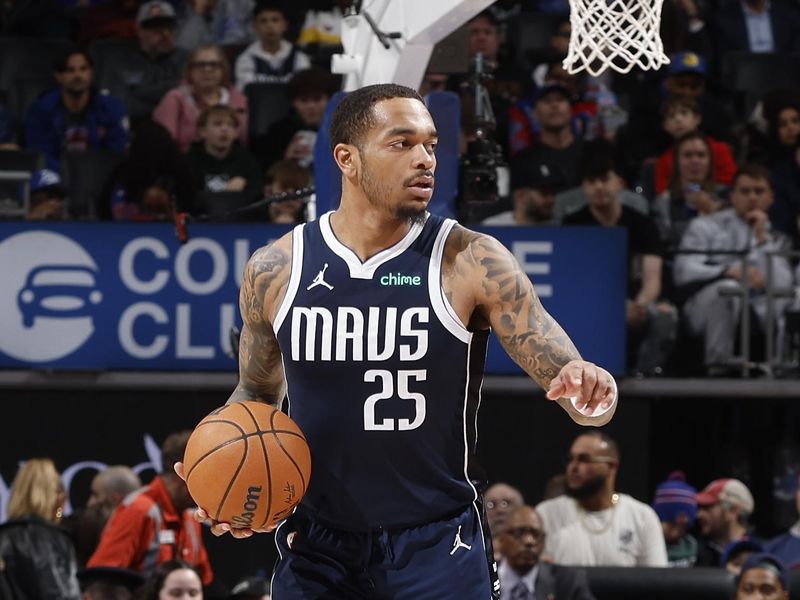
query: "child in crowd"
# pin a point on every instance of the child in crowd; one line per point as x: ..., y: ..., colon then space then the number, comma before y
x: 286, y: 176
x: 675, y: 504
x: 271, y: 58
x: 681, y: 115
x: 219, y: 163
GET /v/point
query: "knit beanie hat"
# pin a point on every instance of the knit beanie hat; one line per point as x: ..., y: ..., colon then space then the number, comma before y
x: 675, y: 497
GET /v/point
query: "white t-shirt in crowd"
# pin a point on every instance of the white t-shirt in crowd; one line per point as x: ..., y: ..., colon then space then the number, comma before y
x: 625, y: 535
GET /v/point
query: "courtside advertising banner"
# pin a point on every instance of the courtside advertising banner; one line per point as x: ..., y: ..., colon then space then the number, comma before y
x: 109, y: 296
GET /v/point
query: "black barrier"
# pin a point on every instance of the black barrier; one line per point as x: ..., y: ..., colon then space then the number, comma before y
x: 615, y: 583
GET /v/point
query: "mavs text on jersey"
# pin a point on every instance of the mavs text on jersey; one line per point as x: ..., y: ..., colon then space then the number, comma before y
x: 382, y: 377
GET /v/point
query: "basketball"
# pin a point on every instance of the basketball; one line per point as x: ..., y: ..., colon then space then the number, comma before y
x: 247, y: 464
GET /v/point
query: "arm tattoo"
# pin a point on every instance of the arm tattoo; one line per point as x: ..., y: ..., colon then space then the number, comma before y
x: 260, y: 368
x: 532, y: 338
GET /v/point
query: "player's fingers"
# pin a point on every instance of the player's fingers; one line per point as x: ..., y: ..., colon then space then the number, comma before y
x: 241, y: 533
x: 200, y: 515
x: 556, y: 390
x: 219, y: 529
x: 179, y: 470
x: 588, y: 383
x: 600, y: 391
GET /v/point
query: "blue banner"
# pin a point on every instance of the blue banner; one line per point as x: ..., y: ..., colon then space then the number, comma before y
x: 129, y: 296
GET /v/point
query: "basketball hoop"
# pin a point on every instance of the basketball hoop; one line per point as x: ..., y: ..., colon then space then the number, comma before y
x: 616, y: 34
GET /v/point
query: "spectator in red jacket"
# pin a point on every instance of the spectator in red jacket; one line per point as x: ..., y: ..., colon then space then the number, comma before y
x: 156, y: 525
x: 681, y: 115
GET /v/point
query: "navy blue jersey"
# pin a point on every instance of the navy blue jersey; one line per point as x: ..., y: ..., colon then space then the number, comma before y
x: 382, y: 377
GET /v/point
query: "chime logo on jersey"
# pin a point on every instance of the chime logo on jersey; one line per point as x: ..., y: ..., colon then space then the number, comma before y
x: 350, y: 334
x: 400, y: 279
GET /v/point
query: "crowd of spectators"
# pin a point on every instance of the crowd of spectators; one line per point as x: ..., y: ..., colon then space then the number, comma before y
x: 664, y: 154
x: 144, y: 543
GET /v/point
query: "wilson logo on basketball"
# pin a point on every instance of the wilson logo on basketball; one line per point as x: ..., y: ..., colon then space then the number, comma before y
x: 250, y: 506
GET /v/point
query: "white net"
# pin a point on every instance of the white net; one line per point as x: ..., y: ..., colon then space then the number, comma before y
x: 616, y: 34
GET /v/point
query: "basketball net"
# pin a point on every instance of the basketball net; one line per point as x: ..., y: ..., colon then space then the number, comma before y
x: 616, y: 34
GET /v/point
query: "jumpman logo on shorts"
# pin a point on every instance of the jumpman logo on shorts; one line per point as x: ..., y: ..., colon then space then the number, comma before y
x: 458, y: 543
x: 320, y: 280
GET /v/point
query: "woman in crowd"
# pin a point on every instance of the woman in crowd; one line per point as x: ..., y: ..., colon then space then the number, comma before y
x: 692, y: 190
x: 38, y: 557
x: 172, y: 579
x: 207, y: 82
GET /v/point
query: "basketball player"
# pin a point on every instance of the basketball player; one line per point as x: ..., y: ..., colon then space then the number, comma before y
x: 374, y: 321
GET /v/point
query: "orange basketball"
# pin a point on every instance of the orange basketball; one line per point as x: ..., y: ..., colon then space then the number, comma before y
x: 247, y: 464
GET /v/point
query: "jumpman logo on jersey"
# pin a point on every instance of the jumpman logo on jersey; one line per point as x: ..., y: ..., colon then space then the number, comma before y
x: 457, y: 543
x: 320, y: 280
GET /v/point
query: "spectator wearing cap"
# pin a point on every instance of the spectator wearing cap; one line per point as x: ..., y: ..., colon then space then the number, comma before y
x: 556, y: 144
x: 652, y: 322
x: 74, y: 116
x: 293, y: 136
x: 250, y: 588
x: 141, y: 76
x: 687, y: 75
x: 723, y: 510
x: 206, y: 83
x: 271, y: 58
x: 787, y: 545
x: 532, y: 198
x: 47, y: 197
x: 675, y: 503
x: 763, y: 577
x: 108, y: 583
x: 736, y: 553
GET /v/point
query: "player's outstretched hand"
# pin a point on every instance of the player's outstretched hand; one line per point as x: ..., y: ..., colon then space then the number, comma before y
x: 593, y: 388
x: 220, y: 528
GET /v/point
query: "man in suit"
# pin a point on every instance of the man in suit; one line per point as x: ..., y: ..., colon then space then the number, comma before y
x: 522, y: 575
x: 756, y: 26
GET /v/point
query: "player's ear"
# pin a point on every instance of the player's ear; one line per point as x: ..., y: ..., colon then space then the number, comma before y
x: 347, y: 159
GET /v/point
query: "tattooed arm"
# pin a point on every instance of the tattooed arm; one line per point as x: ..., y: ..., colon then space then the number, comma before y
x: 503, y: 297
x: 263, y: 286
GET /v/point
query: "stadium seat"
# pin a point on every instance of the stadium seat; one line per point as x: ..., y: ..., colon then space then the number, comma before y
x: 16, y: 168
x: 28, y: 57
x: 24, y: 91
x: 86, y: 175
x: 106, y: 54
x: 267, y: 103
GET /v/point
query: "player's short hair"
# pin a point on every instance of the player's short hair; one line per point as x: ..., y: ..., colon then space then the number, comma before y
x: 354, y: 117
x: 173, y: 449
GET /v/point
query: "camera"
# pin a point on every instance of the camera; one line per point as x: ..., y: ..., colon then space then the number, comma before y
x: 484, y: 155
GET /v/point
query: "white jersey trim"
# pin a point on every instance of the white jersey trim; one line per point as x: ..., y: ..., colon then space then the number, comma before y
x: 294, y: 277
x: 366, y: 269
x: 441, y: 307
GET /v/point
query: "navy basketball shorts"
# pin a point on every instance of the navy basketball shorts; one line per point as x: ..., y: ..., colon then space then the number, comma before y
x: 441, y: 560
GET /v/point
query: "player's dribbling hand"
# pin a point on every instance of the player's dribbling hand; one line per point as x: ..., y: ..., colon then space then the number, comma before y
x: 592, y: 387
x: 220, y: 528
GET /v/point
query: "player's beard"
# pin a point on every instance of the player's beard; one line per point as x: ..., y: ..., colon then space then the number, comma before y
x: 378, y: 191
x: 587, y: 489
